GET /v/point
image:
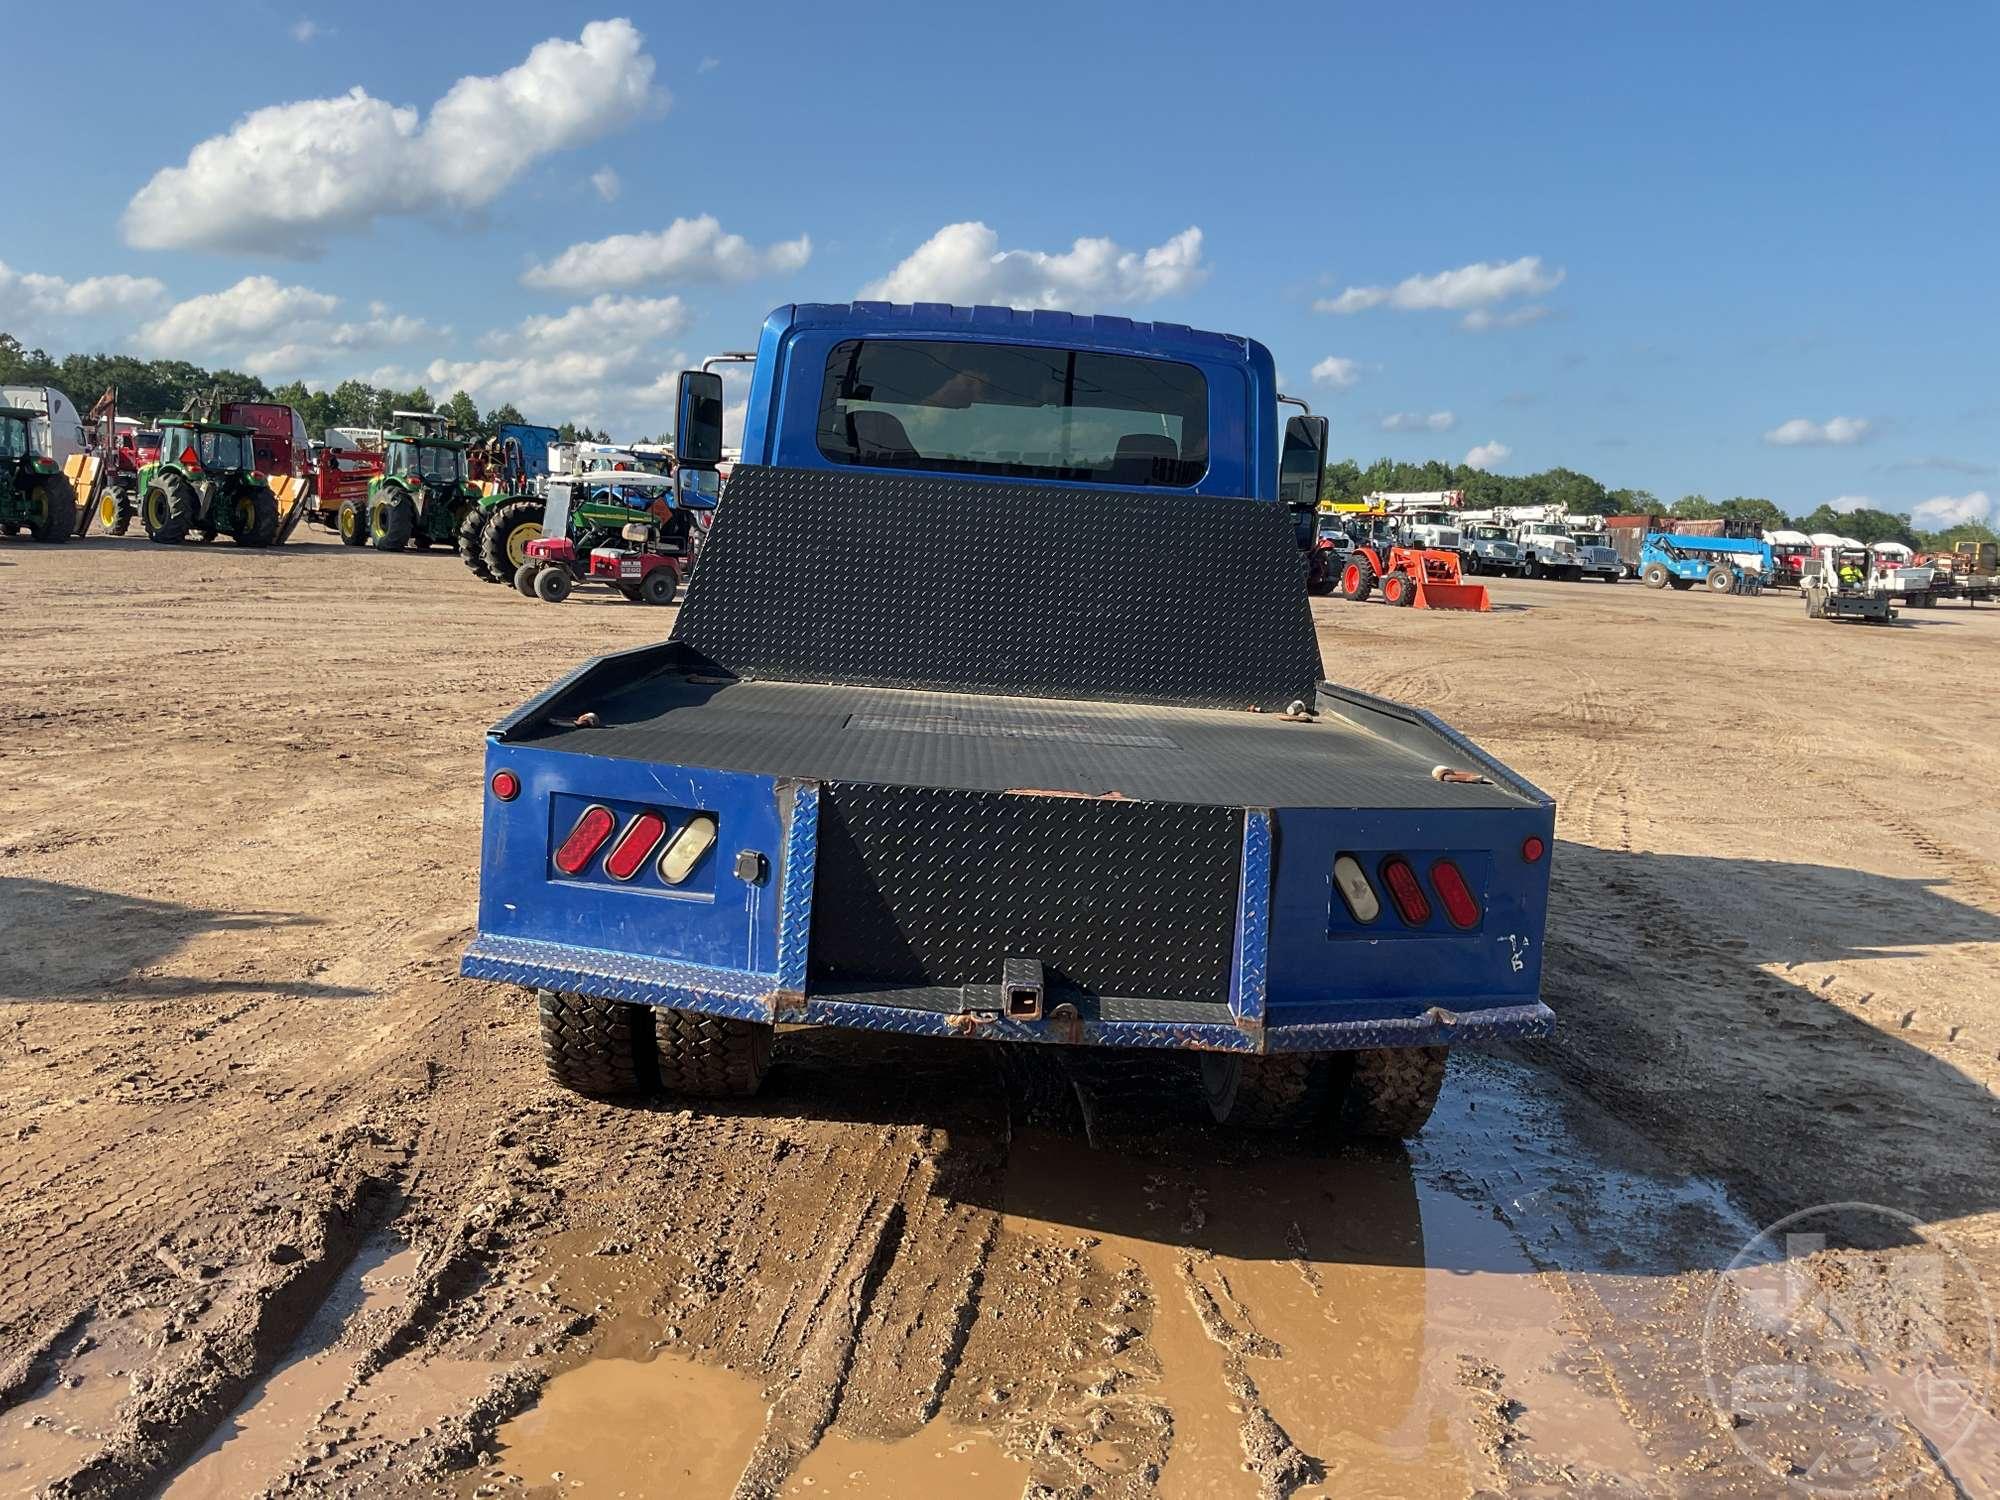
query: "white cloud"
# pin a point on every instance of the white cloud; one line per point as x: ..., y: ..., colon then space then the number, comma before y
x: 1469, y: 286
x: 1846, y: 503
x: 964, y: 263
x: 686, y: 250
x: 1838, y: 431
x: 304, y: 30
x: 1485, y: 320
x: 603, y: 322
x: 604, y: 362
x: 1341, y: 374
x: 1942, y: 511
x: 253, y: 308
x: 31, y: 295
x: 605, y: 180
x: 1417, y: 421
x: 286, y: 178
x: 1486, y: 455
x: 708, y: 65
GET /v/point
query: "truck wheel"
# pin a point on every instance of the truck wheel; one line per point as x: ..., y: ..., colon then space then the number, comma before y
x: 391, y: 520
x: 255, y: 520
x: 524, y: 578
x: 1390, y: 1091
x: 659, y: 587
x: 351, y: 521
x: 54, y: 499
x: 511, y: 526
x: 1274, y: 1091
x: 169, y: 508
x: 1721, y: 580
x: 1398, y: 590
x: 471, y: 532
x: 552, y: 584
x: 711, y: 1057
x: 1357, y: 580
x: 598, y: 1047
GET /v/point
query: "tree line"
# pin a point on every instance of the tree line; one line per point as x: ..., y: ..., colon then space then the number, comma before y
x: 1582, y: 495
x: 149, y: 388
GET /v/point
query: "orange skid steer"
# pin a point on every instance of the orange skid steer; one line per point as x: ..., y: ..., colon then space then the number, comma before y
x: 1413, y: 577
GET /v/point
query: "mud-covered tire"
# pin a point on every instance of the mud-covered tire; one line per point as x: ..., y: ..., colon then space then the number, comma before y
x: 1357, y: 580
x: 392, y: 519
x: 471, y: 533
x: 603, y: 1048
x: 552, y: 584
x: 710, y: 1057
x: 168, y: 509
x: 509, y: 529
x: 57, y: 521
x: 1389, y: 1092
x: 1277, y: 1091
x: 259, y: 527
x: 351, y: 523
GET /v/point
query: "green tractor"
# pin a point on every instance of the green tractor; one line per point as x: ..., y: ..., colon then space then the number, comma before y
x: 34, y: 495
x: 205, y: 482
x: 420, y: 497
x: 493, y: 540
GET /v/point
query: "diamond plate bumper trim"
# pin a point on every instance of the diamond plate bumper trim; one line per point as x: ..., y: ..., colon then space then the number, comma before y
x: 1437, y: 1027
x: 619, y: 976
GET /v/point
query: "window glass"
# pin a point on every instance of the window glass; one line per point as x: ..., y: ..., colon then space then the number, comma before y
x: 13, y: 438
x: 1014, y: 410
x: 443, y: 464
x: 222, y: 450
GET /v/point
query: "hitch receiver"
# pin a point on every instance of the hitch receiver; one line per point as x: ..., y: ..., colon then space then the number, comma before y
x: 1021, y: 988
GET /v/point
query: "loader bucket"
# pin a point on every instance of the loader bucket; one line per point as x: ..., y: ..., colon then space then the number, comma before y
x: 1451, y: 596
x: 292, y: 494
x: 83, y: 470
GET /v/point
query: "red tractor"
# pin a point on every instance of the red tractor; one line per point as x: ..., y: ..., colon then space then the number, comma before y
x: 1412, y: 577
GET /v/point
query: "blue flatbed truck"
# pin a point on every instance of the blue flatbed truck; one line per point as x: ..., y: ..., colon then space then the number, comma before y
x: 950, y: 739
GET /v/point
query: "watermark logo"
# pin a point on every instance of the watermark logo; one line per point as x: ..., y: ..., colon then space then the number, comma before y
x: 1852, y: 1374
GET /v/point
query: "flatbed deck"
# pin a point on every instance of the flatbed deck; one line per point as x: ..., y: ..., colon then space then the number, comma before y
x: 1204, y: 757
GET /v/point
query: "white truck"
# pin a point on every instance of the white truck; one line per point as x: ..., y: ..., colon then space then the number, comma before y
x: 1423, y: 518
x: 1548, y: 551
x: 1595, y: 554
x: 1485, y: 547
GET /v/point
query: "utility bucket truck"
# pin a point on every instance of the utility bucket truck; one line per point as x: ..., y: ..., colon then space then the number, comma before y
x: 933, y: 748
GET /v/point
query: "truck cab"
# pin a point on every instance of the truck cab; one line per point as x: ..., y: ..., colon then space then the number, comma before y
x: 1547, y: 551
x: 1597, y: 557
x: 948, y: 739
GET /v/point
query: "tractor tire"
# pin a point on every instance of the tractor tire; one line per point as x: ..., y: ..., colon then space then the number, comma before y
x: 1721, y: 579
x: 351, y: 521
x: 524, y: 578
x: 471, y: 532
x: 603, y: 1048
x: 1399, y: 590
x: 511, y: 526
x: 115, y: 509
x: 1357, y: 580
x: 168, y: 510
x: 10, y: 528
x: 710, y: 1057
x: 391, y: 520
x: 659, y: 587
x: 1389, y: 1092
x: 420, y: 539
x: 57, y: 522
x: 552, y: 584
x: 1277, y: 1091
x: 256, y: 520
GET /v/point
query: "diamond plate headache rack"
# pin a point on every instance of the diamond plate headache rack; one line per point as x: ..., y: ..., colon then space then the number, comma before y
x: 963, y: 585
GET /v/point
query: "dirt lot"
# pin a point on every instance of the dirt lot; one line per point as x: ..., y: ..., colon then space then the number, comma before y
x: 287, y: 1207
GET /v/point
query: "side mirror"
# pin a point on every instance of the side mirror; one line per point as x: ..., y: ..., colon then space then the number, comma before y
x: 698, y: 420
x: 1302, y: 465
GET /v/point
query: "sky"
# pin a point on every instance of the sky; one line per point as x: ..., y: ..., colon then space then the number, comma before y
x: 1716, y: 249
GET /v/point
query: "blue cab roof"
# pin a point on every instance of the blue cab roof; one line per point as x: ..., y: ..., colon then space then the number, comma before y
x: 1098, y: 331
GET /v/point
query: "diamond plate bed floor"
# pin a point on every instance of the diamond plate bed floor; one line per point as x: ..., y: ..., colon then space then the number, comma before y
x: 898, y: 737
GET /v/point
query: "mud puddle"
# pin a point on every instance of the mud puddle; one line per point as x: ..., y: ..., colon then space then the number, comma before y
x: 74, y: 1412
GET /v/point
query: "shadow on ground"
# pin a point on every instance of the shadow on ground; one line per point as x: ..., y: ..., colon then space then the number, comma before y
x: 70, y: 942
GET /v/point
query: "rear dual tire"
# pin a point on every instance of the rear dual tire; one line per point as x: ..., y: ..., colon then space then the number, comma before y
x: 612, y: 1050
x: 1384, y: 1093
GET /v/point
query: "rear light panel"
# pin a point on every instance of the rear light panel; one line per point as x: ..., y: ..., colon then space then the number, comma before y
x: 664, y: 850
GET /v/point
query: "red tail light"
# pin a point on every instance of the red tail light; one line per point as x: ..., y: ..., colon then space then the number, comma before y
x: 1459, y: 903
x: 1412, y: 905
x: 592, y: 829
x: 635, y: 846
x: 1532, y: 848
x: 506, y: 785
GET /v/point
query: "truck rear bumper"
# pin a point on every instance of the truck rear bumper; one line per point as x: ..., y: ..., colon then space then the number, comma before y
x: 971, y: 1012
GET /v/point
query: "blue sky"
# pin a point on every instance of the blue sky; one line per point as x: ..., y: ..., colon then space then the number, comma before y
x: 1728, y: 249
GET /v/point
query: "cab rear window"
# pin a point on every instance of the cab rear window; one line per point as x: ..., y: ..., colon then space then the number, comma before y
x: 1015, y: 411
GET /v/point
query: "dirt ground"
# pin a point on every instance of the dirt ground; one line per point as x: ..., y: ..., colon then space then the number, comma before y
x: 288, y: 1209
